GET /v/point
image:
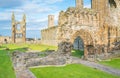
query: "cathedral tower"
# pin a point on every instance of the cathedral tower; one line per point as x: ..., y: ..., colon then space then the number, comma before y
x: 18, y: 29
x: 100, y: 6
x: 13, y: 27
x: 50, y: 20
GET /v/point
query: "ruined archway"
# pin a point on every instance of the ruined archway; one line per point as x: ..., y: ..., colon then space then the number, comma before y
x: 78, y: 44
x: 87, y: 39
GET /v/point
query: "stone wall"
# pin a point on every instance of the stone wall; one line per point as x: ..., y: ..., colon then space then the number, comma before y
x: 49, y: 36
x: 82, y: 17
x: 5, y: 39
x: 98, y: 27
x: 18, y: 29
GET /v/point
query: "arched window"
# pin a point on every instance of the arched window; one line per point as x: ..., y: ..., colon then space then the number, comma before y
x: 18, y: 27
x: 112, y: 4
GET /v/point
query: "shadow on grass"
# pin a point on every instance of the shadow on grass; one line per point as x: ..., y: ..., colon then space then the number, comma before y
x: 77, y: 53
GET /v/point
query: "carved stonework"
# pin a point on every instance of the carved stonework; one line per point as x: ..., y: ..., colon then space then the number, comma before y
x: 98, y: 27
x: 18, y: 29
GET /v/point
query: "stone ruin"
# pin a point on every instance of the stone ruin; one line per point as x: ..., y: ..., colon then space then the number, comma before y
x: 117, y: 46
x: 98, y: 27
x: 23, y: 61
x: 60, y: 57
x: 18, y: 30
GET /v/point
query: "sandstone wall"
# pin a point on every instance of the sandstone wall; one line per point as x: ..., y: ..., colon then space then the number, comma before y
x: 2, y: 39
x: 98, y: 27
x: 73, y: 16
x: 49, y: 36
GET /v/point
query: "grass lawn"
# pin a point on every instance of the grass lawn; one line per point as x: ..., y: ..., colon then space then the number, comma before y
x: 6, y: 68
x: 37, y: 47
x: 70, y: 71
x: 115, y: 63
x: 77, y: 53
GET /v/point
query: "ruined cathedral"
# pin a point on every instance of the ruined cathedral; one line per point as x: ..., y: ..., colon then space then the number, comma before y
x: 94, y: 30
x: 18, y: 30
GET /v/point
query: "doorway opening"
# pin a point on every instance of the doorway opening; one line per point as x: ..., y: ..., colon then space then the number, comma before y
x: 78, y: 47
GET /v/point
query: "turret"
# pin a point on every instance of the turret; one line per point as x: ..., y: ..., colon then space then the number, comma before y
x: 24, y: 17
x: 50, y: 20
x: 79, y: 4
x: 13, y: 17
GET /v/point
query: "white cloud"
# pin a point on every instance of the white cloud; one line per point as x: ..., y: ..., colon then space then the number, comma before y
x: 87, y: 6
x: 52, y: 1
x: 5, y: 16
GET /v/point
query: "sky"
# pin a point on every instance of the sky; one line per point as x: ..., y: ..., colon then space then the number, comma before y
x: 36, y: 11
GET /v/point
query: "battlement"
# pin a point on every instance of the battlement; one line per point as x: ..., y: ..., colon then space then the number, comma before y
x: 83, y: 16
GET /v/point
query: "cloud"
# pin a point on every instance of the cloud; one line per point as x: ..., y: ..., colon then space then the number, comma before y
x: 36, y: 11
x: 87, y: 6
x: 87, y: 3
x: 10, y: 3
x: 52, y: 1
x: 5, y: 16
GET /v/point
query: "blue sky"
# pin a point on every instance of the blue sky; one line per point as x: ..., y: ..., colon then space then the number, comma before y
x: 36, y: 11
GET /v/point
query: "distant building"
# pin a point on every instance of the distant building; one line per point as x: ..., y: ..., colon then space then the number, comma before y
x: 5, y: 39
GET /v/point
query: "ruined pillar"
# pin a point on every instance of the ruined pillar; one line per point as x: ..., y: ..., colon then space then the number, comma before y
x: 85, y: 52
x: 79, y: 4
x: 50, y: 20
x: 24, y: 28
x: 13, y: 28
x: 18, y: 33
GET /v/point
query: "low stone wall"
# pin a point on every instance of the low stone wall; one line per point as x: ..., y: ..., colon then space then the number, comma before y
x: 104, y: 56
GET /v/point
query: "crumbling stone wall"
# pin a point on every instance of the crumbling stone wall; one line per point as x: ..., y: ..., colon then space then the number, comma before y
x: 60, y: 57
x: 49, y: 36
x: 98, y: 27
x: 18, y: 29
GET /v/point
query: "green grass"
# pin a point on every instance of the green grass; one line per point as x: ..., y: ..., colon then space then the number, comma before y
x: 6, y: 68
x: 77, y: 53
x: 115, y: 63
x: 41, y: 47
x: 38, y: 47
x: 70, y: 71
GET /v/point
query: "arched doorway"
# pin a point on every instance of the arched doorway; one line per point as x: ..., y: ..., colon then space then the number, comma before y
x: 78, y: 47
x: 78, y: 44
x: 81, y: 40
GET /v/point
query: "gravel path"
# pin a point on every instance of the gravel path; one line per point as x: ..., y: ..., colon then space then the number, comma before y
x: 97, y: 66
x: 24, y: 74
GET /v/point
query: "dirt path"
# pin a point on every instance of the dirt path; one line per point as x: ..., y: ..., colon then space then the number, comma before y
x: 24, y: 74
x: 97, y: 66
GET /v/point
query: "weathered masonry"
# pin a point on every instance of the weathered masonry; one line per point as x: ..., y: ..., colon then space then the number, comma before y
x: 18, y: 29
x: 94, y: 29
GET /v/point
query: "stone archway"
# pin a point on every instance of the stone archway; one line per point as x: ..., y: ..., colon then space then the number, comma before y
x: 78, y: 44
x: 87, y: 40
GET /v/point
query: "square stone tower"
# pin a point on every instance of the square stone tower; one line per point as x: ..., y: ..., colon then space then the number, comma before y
x: 79, y: 3
x: 101, y: 6
x: 50, y: 21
